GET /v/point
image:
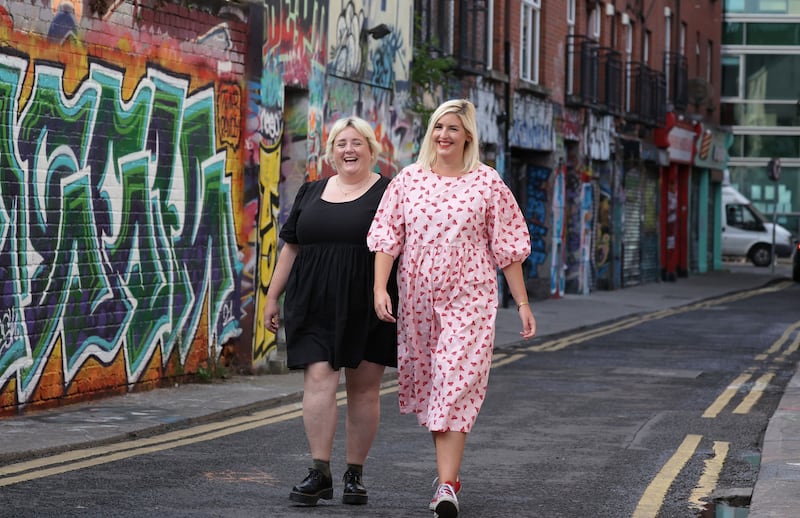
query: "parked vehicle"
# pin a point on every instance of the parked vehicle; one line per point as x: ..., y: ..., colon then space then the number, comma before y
x: 796, y: 262
x: 747, y: 233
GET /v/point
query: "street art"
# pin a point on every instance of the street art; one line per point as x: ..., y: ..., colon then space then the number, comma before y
x: 557, y: 246
x: 116, y: 222
x: 294, y: 56
x: 579, y: 194
x: 488, y: 108
x: 320, y: 63
x: 536, y: 216
x: 586, y: 221
x: 603, y: 223
x: 532, y: 126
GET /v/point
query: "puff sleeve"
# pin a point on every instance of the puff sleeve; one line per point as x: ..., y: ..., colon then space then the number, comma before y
x: 509, y: 239
x: 387, y: 231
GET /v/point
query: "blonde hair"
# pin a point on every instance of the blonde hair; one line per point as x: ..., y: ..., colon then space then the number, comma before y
x: 361, y: 126
x: 465, y: 111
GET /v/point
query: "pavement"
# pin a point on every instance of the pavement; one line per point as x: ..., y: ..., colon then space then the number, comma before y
x: 776, y: 493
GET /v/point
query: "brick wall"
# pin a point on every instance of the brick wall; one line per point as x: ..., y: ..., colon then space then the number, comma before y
x: 120, y: 196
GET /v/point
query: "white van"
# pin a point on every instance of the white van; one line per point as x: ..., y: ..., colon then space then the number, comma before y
x: 746, y: 233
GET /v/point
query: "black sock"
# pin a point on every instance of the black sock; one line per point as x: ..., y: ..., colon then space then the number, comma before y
x: 323, y: 466
x: 358, y: 468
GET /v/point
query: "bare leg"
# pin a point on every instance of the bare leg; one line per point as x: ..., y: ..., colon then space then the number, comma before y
x: 363, y: 409
x: 319, y: 408
x: 449, y: 452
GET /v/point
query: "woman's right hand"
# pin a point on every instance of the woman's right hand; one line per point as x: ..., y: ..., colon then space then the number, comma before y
x: 383, y: 306
x: 271, y: 316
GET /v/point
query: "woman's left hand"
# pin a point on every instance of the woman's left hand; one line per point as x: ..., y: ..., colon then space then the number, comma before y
x: 528, y: 322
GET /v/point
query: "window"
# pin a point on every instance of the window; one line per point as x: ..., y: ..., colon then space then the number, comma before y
x: 473, y: 38
x: 682, y: 41
x: 489, y: 36
x: 709, y: 61
x: 731, y: 67
x: 436, y: 25
x: 732, y: 33
x: 628, y: 63
x: 771, y: 76
x: 762, y: 6
x: 529, y: 47
x: 667, y: 47
x: 646, y: 48
x: 570, y: 54
x: 593, y: 28
x: 742, y: 216
x: 772, y: 34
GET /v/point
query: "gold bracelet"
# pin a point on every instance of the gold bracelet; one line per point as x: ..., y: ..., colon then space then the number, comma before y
x: 525, y: 303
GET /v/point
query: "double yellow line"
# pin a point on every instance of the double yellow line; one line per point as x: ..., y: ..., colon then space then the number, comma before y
x: 95, y: 456
x: 653, y: 497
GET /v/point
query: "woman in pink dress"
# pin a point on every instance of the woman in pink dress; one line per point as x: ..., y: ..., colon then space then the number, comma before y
x: 451, y: 220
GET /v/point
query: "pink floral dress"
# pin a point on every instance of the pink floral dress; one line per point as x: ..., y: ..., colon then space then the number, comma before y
x: 450, y: 234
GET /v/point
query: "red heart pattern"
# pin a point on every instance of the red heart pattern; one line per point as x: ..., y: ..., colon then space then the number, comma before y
x: 450, y: 234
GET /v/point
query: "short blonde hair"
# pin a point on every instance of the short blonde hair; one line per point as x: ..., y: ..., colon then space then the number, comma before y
x: 465, y: 111
x: 361, y: 126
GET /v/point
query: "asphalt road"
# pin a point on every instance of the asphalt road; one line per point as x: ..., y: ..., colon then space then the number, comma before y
x: 650, y: 416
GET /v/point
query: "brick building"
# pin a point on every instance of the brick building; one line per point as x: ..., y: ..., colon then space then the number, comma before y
x: 152, y: 152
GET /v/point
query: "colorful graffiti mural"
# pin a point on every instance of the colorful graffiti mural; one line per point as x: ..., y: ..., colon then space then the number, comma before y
x: 558, y: 235
x: 536, y: 216
x: 320, y: 63
x: 118, y: 243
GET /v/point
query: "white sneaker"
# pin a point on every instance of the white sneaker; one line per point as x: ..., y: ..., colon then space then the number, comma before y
x: 445, y: 503
x: 456, y: 487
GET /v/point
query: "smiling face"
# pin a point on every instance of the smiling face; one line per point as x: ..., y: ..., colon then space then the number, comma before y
x: 450, y: 139
x: 351, y: 153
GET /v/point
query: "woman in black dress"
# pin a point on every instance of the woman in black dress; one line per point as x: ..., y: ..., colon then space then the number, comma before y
x: 327, y: 271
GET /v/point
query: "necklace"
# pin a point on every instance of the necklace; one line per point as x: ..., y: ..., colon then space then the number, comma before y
x: 358, y: 187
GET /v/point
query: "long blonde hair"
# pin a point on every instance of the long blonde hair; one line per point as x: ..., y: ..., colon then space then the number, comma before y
x: 361, y: 126
x: 465, y: 111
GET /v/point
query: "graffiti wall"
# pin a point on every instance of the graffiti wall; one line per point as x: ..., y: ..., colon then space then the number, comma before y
x: 323, y: 61
x: 119, y: 174
x: 287, y: 133
x: 368, y: 73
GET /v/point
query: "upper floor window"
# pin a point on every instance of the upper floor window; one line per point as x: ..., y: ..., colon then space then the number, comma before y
x: 474, y: 38
x: 760, y: 33
x: 628, y: 27
x: 530, y: 40
x: 763, y: 6
x: 435, y: 25
x: 594, y: 24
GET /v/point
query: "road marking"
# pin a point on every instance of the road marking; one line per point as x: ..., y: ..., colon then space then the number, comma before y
x: 653, y: 497
x: 776, y: 346
x: 499, y: 362
x: 755, y: 394
x: 726, y: 396
x: 88, y: 457
x: 576, y: 338
x: 791, y: 349
x: 710, y: 477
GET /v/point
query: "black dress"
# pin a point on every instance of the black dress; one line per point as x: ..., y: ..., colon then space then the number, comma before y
x: 328, y: 310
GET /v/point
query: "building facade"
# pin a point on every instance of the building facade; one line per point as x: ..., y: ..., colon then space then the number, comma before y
x: 760, y: 102
x: 595, y: 112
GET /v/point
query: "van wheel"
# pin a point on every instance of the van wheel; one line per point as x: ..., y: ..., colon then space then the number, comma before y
x: 761, y: 255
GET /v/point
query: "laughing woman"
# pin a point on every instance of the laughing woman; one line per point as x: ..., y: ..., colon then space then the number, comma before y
x: 326, y: 270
